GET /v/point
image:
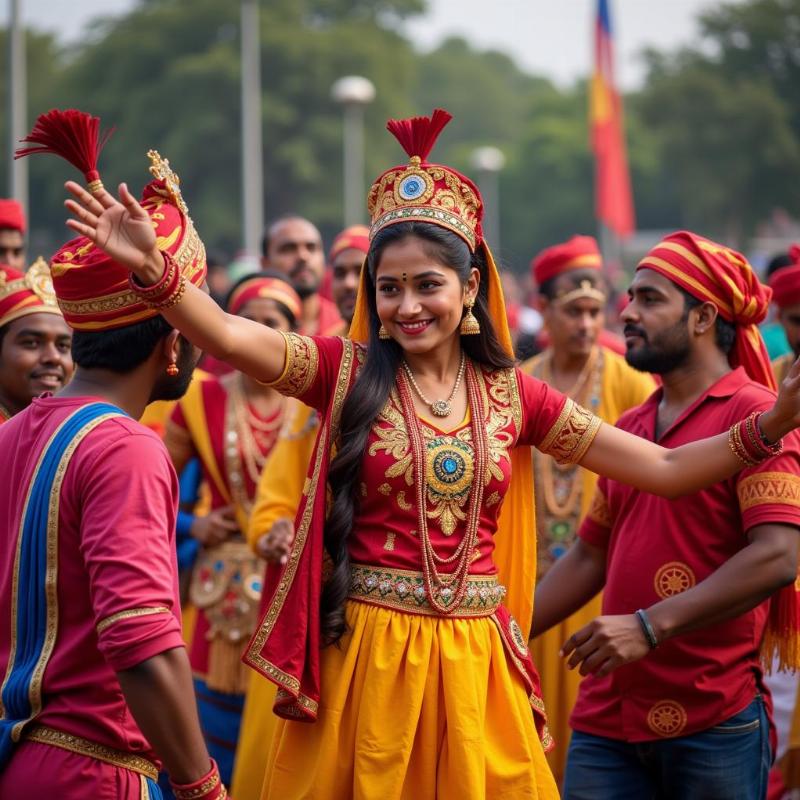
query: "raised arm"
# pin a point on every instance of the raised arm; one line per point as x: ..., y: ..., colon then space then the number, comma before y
x: 674, y: 472
x: 122, y: 228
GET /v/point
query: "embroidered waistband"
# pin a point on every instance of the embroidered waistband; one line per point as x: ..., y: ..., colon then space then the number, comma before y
x: 405, y: 590
x: 85, y: 747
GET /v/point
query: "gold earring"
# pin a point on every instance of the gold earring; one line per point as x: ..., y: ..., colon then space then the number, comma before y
x: 469, y: 324
x: 172, y: 369
x: 383, y: 333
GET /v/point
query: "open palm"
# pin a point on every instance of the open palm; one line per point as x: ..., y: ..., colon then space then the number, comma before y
x: 121, y: 228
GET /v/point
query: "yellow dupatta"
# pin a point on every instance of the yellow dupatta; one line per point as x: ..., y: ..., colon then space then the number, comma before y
x: 515, y: 539
x: 194, y: 413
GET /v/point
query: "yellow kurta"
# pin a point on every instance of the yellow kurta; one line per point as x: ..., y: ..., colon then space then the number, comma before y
x: 621, y: 388
x: 278, y: 496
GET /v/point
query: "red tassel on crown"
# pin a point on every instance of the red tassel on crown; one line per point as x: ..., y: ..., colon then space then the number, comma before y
x: 74, y: 135
x: 418, y: 135
x: 423, y: 192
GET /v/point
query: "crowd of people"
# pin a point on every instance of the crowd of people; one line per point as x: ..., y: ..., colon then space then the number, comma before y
x: 353, y: 525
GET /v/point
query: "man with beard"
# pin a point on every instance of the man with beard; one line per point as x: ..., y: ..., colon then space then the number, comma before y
x: 674, y: 702
x: 293, y: 246
x: 12, y: 234
x: 785, y: 284
x: 572, y: 302
x: 35, y: 341
x: 97, y: 682
x: 271, y: 530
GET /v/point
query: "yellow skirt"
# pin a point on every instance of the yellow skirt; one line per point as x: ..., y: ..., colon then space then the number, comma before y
x: 559, y: 684
x: 258, y: 725
x: 413, y: 707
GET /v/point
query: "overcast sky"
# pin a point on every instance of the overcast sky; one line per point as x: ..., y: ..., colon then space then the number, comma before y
x: 550, y: 37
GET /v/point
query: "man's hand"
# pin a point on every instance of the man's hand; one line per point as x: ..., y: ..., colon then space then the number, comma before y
x: 121, y: 228
x: 276, y: 545
x: 605, y: 644
x: 215, y: 527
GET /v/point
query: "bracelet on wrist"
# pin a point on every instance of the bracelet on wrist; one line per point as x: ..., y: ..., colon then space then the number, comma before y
x: 748, y: 443
x: 647, y: 628
x: 167, y: 292
x: 153, y: 289
x: 209, y: 787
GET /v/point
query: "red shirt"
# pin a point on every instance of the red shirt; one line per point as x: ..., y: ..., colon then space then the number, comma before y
x: 658, y: 548
x: 116, y: 563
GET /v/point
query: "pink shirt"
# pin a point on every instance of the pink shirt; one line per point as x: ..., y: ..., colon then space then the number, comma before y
x: 117, y: 581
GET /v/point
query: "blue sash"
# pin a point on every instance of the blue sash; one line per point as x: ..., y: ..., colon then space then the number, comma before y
x: 34, y: 606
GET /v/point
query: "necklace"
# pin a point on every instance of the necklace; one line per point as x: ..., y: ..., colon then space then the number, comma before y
x: 558, y: 504
x: 445, y: 591
x: 246, y: 445
x: 439, y: 408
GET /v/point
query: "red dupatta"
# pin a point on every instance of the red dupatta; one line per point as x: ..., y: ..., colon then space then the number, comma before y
x: 286, y: 645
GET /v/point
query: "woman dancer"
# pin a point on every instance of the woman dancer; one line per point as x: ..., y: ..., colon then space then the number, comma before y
x: 429, y: 687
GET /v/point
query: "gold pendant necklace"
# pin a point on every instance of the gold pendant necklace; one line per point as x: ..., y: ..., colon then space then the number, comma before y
x: 439, y: 408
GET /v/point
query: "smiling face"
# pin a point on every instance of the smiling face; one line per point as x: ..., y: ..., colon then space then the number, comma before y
x: 35, y: 358
x: 420, y: 300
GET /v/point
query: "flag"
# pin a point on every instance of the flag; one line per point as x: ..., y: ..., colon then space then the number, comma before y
x: 613, y: 196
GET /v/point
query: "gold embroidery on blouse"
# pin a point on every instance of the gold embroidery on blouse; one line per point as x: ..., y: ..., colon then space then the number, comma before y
x: 385, y: 489
x: 300, y: 369
x: 572, y: 435
x: 402, y: 502
x: 450, y: 457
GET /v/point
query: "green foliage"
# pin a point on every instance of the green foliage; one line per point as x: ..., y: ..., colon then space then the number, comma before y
x: 713, y: 136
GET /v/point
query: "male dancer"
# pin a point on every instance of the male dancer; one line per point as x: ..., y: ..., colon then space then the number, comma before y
x: 573, y: 302
x: 674, y: 703
x: 97, y: 684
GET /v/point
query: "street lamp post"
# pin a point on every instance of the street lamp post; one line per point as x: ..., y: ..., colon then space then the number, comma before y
x: 252, y: 157
x: 353, y: 93
x: 488, y: 162
x: 17, y: 170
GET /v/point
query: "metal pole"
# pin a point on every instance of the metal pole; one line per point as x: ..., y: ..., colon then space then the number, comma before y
x: 252, y: 153
x: 490, y: 189
x: 17, y: 170
x: 353, y: 163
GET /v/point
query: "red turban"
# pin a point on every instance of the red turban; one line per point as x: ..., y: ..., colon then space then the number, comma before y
x: 23, y: 293
x: 93, y: 289
x: 270, y: 288
x: 716, y: 274
x: 580, y: 252
x: 356, y: 237
x: 11, y: 215
x: 785, y: 282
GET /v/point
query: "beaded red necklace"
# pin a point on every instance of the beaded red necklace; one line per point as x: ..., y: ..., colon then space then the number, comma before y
x: 445, y: 591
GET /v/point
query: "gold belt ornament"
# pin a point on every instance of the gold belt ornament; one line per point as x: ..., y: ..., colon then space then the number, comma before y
x: 85, y: 747
x: 404, y: 590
